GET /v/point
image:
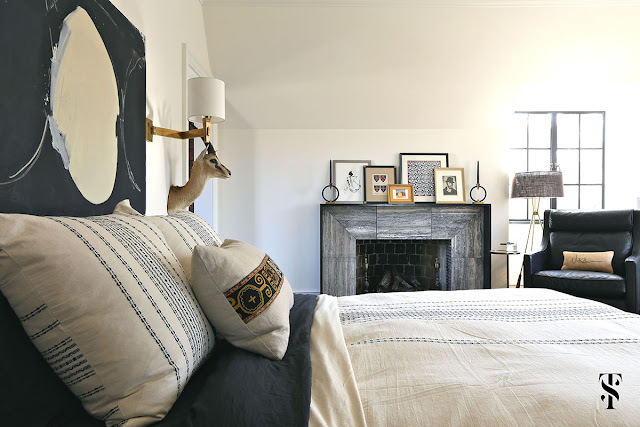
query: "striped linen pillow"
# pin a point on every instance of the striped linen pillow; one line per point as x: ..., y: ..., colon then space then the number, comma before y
x: 108, y: 306
x: 183, y: 230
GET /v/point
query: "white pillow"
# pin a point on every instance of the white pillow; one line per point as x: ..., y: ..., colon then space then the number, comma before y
x: 245, y: 296
x: 109, y: 308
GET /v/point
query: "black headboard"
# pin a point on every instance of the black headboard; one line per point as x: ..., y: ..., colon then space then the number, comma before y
x: 33, y: 177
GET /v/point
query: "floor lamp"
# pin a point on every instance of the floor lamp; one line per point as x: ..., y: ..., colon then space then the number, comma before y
x: 536, y: 185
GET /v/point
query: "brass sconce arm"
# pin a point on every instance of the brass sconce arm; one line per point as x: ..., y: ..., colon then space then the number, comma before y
x: 204, y: 133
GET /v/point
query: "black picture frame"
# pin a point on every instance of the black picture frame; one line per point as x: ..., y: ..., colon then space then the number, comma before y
x: 424, y: 185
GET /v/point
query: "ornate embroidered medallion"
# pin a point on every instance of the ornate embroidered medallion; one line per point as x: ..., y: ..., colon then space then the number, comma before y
x: 257, y: 291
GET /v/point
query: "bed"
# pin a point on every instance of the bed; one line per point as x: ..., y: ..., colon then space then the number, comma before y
x: 479, y: 357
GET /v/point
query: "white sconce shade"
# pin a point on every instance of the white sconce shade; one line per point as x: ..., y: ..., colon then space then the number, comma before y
x: 206, y: 98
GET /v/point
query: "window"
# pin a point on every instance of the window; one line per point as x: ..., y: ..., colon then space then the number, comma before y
x: 574, y: 141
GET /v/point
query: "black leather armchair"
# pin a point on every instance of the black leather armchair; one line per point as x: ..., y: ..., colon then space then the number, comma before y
x: 596, y: 231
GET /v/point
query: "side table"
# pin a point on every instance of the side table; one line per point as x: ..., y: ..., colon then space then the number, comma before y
x: 507, y: 253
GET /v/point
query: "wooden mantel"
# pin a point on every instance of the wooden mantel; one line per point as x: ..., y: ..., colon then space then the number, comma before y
x: 468, y: 227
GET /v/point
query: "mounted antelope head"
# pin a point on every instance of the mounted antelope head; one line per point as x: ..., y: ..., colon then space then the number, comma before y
x: 207, y: 165
x: 211, y: 164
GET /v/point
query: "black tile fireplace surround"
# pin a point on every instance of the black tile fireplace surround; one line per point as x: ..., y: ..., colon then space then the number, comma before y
x: 411, y: 262
x: 466, y: 229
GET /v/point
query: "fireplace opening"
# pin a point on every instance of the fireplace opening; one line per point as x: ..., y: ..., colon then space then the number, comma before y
x: 402, y: 265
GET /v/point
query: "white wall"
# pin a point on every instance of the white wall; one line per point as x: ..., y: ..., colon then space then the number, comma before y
x: 309, y: 83
x: 166, y: 25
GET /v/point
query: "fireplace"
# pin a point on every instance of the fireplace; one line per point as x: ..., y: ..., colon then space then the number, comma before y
x: 462, y: 232
x: 402, y: 265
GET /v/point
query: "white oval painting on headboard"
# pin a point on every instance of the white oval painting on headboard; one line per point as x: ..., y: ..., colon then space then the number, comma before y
x: 85, y: 107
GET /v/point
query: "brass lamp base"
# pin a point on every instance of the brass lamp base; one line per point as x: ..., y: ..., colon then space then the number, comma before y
x: 535, y: 205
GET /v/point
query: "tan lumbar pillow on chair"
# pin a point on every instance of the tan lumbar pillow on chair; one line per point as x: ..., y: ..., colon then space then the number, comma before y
x: 588, y: 261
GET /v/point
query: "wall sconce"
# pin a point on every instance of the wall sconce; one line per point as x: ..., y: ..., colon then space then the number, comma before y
x: 206, y: 104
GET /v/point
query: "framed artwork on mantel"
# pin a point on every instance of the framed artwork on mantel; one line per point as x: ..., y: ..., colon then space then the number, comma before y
x: 450, y: 185
x: 376, y: 181
x: 348, y: 177
x: 417, y: 169
x: 401, y: 193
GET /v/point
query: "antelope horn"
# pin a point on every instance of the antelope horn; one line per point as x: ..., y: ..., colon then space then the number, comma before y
x: 210, y: 148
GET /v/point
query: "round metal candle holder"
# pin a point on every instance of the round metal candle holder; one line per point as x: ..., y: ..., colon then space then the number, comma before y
x: 484, y: 192
x: 335, y: 192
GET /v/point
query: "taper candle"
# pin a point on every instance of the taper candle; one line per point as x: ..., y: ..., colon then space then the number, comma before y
x: 330, y: 173
x: 478, y: 172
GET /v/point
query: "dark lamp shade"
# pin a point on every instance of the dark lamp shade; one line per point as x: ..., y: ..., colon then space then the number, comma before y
x: 537, y: 184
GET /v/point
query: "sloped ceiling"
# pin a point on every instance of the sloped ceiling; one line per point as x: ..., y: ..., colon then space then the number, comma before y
x: 409, y: 64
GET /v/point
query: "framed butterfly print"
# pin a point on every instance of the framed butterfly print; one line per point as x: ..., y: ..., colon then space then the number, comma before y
x: 376, y: 183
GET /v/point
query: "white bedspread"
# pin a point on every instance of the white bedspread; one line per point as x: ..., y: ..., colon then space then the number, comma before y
x: 481, y: 357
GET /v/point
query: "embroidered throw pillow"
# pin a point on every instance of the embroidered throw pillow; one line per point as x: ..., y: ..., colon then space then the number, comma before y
x: 183, y: 230
x: 245, y: 296
x: 589, y: 261
x: 108, y: 306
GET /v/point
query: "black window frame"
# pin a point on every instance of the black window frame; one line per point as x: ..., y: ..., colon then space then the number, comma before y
x: 553, y: 148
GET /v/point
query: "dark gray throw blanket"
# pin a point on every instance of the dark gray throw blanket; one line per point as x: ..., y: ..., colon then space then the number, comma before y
x: 233, y: 388
x: 238, y: 388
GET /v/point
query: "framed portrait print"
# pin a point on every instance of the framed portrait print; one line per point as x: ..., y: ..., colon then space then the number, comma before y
x: 417, y: 169
x: 376, y: 181
x: 401, y: 193
x: 348, y: 178
x: 450, y: 185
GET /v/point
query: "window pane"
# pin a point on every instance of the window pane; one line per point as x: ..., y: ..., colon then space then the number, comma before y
x: 569, y: 165
x: 570, y: 199
x: 591, y: 130
x: 591, y: 197
x: 518, y: 208
x: 518, y: 131
x: 539, y: 160
x: 517, y: 160
x: 590, y: 166
x: 539, y: 131
x: 568, y: 126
